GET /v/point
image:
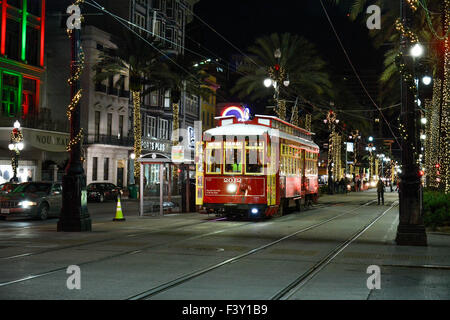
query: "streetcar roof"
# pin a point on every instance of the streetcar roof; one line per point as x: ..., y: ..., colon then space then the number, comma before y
x: 242, y: 129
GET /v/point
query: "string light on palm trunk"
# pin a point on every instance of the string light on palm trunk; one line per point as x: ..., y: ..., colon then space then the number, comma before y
x: 77, y: 67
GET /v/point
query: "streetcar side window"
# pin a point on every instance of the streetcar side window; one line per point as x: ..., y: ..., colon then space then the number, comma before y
x: 213, y: 158
x: 233, y: 158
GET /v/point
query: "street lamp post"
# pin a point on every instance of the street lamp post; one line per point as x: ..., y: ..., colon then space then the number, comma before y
x: 74, y: 215
x: 16, y: 145
x: 370, y: 147
x: 411, y: 230
x: 278, y: 76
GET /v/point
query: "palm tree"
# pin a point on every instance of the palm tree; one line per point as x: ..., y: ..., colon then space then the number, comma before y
x: 185, y: 76
x: 299, y: 62
x: 144, y: 67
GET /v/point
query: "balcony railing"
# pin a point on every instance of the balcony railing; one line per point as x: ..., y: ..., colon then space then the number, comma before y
x: 106, y: 139
x: 112, y: 91
x: 42, y: 122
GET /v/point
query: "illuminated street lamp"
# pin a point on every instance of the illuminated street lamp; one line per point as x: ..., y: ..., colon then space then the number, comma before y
x: 267, y: 82
x: 426, y: 80
x: 417, y: 50
x: 16, y: 145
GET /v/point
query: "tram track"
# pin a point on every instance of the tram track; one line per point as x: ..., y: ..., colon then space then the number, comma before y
x: 134, y: 251
x: 190, y: 276
x: 291, y: 289
x: 29, y: 254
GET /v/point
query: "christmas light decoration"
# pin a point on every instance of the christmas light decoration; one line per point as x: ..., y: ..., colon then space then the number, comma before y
x: 281, y: 110
x: 405, y: 31
x: 308, y: 122
x: 77, y: 69
x: 445, y: 127
x: 176, y: 121
x: 137, y: 131
x: 295, y: 118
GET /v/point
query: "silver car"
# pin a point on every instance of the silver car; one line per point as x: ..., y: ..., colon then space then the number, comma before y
x: 38, y: 200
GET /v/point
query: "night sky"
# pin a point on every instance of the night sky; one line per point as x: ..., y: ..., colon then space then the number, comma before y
x: 242, y: 21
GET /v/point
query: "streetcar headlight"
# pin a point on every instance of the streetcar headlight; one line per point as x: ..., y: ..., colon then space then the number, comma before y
x: 255, y: 210
x: 231, y: 188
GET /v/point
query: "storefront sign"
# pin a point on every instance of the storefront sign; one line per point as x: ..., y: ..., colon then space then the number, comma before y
x: 155, y: 146
x: 47, y: 141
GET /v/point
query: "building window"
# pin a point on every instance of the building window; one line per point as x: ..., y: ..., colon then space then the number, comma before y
x: 97, y: 126
x: 157, y: 29
x: 139, y: 20
x: 94, y: 168
x: 157, y: 4
x: 167, y: 99
x: 163, y: 129
x: 10, y: 95
x: 106, y: 169
x: 169, y: 8
x: 12, y: 39
x: 29, y: 97
x: 109, y: 128
x: 151, y: 127
x: 169, y: 38
x: 120, y: 135
x: 32, y: 48
x: 154, y: 101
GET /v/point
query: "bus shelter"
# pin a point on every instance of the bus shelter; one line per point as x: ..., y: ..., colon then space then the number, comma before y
x: 163, y: 185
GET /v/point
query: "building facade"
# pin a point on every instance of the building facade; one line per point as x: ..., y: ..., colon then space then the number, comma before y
x: 23, y: 84
x: 104, y: 106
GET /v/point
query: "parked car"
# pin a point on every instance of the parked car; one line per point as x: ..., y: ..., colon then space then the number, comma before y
x: 8, y: 187
x: 101, y: 191
x: 32, y: 200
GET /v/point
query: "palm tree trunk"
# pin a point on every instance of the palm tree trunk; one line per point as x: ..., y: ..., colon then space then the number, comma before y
x: 137, y: 128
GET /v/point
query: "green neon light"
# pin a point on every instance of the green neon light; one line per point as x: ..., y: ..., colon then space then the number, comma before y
x: 24, y: 29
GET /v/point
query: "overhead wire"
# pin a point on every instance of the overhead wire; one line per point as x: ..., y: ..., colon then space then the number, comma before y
x: 124, y: 23
x: 356, y: 73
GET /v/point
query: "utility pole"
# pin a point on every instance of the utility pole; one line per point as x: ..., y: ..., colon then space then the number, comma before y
x: 74, y: 213
x: 411, y: 230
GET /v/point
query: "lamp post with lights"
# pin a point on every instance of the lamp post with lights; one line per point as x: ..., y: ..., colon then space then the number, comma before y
x: 16, y: 145
x: 370, y: 148
x: 410, y: 230
x: 278, y: 76
x: 74, y: 215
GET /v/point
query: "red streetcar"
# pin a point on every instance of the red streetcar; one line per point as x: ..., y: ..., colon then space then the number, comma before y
x: 256, y: 168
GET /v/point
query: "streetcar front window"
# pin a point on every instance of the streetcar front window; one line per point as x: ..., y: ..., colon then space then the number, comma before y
x: 233, y: 158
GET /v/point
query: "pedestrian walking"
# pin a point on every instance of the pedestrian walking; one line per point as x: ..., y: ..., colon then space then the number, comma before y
x: 380, y: 191
x: 358, y: 183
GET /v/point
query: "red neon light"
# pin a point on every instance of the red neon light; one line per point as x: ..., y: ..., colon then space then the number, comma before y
x: 42, y: 33
x: 3, y: 41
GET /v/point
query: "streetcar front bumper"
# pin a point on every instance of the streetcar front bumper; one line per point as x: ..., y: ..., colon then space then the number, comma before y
x: 238, y: 210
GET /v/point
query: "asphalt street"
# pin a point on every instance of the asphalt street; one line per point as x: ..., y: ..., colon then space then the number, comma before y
x: 324, y: 252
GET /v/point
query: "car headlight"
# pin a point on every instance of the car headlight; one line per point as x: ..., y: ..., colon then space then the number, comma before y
x: 27, y: 204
